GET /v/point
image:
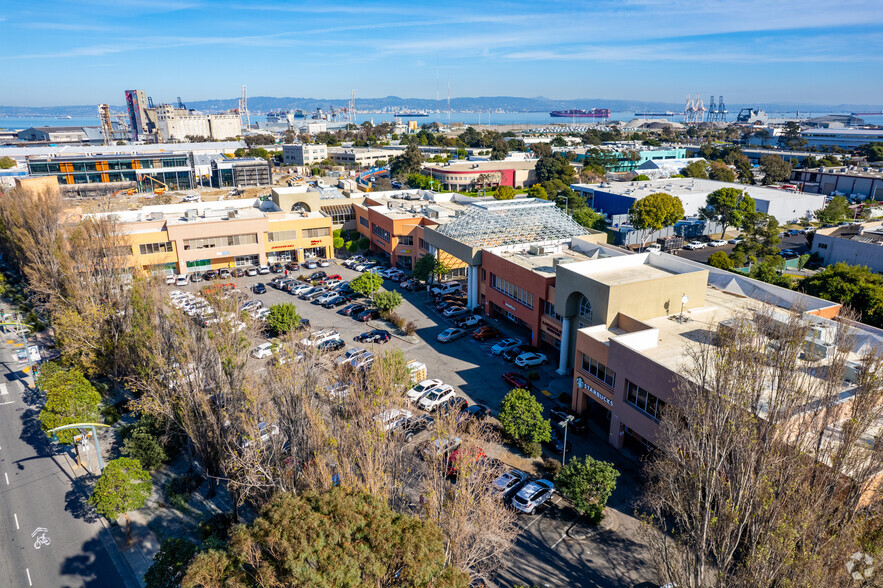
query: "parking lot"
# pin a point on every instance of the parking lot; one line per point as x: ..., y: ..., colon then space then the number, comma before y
x: 544, y: 554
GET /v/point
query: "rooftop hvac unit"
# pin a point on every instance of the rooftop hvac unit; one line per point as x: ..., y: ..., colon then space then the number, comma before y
x: 815, y: 350
x: 156, y: 215
x: 191, y: 213
x: 232, y: 213
x: 851, y: 371
x: 537, y: 250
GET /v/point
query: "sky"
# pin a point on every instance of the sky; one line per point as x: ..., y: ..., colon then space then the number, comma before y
x: 750, y: 51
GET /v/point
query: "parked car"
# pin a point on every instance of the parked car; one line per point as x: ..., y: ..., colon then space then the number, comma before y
x: 512, y: 353
x: 170, y: 279
x: 516, y: 380
x: 453, y: 405
x: 422, y: 388
x: 557, y: 441
x: 530, y: 359
x: 376, y: 336
x: 210, y: 275
x: 331, y: 345
x: 181, y: 280
x: 368, y: 315
x: 335, y: 301
x: 410, y: 284
x: 259, y: 288
x: 299, y: 289
x: 325, y: 297
x: 310, y: 264
x: 435, y: 397
x: 314, y: 293
x: 317, y: 276
x: 451, y: 334
x: 532, y: 495
x: 441, y: 446
x: 695, y: 245
x: 508, y: 483
x: 475, y: 411
x: 292, y: 266
x: 237, y: 272
x: 414, y: 425
x: 735, y: 240
x: 471, y: 321
x: 263, y: 350
x: 277, y: 268
x: 362, y: 362
x: 314, y: 339
x: 393, y: 418
x: 251, y: 305
x: 463, y: 455
x: 717, y: 243
x: 455, y: 311
x: 504, y: 345
x: 352, y: 309
x: 323, y: 263
x: 484, y: 333
x: 196, y: 277
x: 788, y: 253
x: 350, y: 355
x: 251, y: 271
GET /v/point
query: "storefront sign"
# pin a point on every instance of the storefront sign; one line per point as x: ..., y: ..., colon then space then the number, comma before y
x: 316, y: 242
x: 581, y: 385
x: 510, y: 306
x: 282, y: 247
x: 552, y: 329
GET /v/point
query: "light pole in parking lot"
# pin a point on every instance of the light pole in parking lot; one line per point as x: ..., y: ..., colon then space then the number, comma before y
x: 564, y: 423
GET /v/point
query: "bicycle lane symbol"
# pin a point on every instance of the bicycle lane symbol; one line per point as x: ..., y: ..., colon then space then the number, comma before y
x: 41, y: 538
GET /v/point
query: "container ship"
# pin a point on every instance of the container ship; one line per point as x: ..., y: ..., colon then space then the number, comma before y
x: 593, y: 113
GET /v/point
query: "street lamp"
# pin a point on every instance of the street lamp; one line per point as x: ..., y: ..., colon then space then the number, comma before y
x: 564, y: 424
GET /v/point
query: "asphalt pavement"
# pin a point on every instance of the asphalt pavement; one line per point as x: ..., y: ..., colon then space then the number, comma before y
x: 797, y: 243
x: 53, y: 537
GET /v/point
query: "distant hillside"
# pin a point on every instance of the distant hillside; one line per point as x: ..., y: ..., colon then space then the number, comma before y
x: 260, y: 104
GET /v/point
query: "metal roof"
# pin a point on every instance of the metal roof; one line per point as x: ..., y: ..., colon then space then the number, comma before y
x: 510, y: 222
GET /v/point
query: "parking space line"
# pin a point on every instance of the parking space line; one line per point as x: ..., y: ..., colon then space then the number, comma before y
x: 541, y: 515
x: 4, y: 390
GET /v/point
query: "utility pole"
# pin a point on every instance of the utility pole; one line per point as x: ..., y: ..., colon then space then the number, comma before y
x: 79, y: 426
x: 565, y: 422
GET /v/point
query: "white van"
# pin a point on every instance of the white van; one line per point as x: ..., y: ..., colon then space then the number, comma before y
x: 446, y: 288
x: 320, y: 337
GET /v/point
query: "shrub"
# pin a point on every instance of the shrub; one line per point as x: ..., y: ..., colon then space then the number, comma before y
x: 588, y: 484
x: 364, y: 243
x: 144, y: 447
x: 521, y: 416
x: 352, y: 246
x: 529, y: 448
x: 338, y: 243
x: 553, y: 466
x: 178, y: 490
x: 533, y: 375
x: 215, y: 530
x: 111, y: 415
x: 410, y: 328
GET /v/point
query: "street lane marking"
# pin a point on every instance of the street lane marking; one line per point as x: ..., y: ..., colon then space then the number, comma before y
x: 5, y: 475
x: 29, y: 576
x: 16, y: 520
x: 10, y: 402
x: 18, y: 345
x: 4, y: 390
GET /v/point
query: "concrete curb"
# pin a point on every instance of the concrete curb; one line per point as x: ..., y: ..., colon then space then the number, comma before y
x: 581, y: 531
x: 392, y: 331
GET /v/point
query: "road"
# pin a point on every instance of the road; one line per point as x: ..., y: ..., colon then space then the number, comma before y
x: 37, y: 492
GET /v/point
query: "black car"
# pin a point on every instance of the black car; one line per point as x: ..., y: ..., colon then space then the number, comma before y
x: 331, y: 345
x: 317, y: 276
x: 368, y: 315
x: 210, y: 275
x: 475, y: 411
x: 259, y: 288
x: 336, y: 301
x: 415, y: 425
x: 444, y: 304
x: 277, y: 268
x: 375, y: 336
x: 304, y: 324
x: 453, y: 405
x: 577, y: 425
x: 352, y: 310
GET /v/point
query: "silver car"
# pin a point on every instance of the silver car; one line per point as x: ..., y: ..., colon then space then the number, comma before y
x: 532, y: 495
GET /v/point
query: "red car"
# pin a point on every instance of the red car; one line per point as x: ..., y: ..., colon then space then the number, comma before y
x: 464, y: 456
x: 516, y: 380
x: 482, y: 333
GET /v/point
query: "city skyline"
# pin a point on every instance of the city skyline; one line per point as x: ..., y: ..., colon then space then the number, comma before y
x: 641, y: 50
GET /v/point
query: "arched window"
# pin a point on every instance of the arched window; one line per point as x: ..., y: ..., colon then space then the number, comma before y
x: 585, y: 309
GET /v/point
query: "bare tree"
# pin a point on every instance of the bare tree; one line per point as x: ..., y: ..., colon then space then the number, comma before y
x: 769, y: 455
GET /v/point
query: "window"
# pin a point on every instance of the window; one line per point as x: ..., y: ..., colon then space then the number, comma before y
x: 230, y: 240
x: 599, y: 371
x: 424, y: 245
x: 340, y: 214
x: 364, y: 222
x: 382, y: 233
x: 282, y: 235
x: 585, y: 309
x: 319, y: 232
x: 549, y: 309
x: 512, y: 291
x: 406, y: 240
x: 823, y: 245
x: 643, y: 400
x: 148, y: 248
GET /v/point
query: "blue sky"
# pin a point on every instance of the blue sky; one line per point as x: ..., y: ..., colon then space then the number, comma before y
x: 751, y: 51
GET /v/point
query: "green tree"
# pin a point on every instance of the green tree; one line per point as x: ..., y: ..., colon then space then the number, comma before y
x: 418, y: 181
x: 407, y: 163
x: 366, y: 283
x: 537, y: 191
x: 70, y: 398
x: 588, y: 484
x: 728, y: 207
x: 499, y: 150
x: 872, y: 151
x: 769, y: 270
x: 697, y: 169
x: 144, y: 447
x: 721, y: 260
x: 641, y: 178
x: 339, y: 538
x: 791, y: 138
x: 835, y: 211
x: 554, y: 167
x: 504, y: 193
x: 170, y: 563
x: 338, y: 242
x: 387, y: 301
x: 123, y: 486
x: 541, y: 150
x: 775, y: 169
x: 655, y: 212
x: 721, y: 172
x: 7, y: 163
x: 352, y: 246
x: 364, y: 243
x: 854, y: 286
x: 428, y: 267
x: 521, y: 416
x: 282, y: 318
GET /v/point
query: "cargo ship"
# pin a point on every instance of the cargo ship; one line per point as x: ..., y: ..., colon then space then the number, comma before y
x: 593, y: 113
x: 412, y: 114
x: 665, y: 114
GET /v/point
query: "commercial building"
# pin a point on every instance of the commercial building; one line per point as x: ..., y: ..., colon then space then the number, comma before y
x: 357, y: 156
x: 857, y: 244
x: 843, y: 138
x: 241, y: 172
x: 657, y: 169
x: 471, y: 175
x: 617, y: 198
x: 171, y: 170
x: 630, y: 155
x: 54, y: 135
x: 179, y: 124
x: 304, y: 154
x: 187, y: 238
x: 629, y: 322
x: 328, y: 201
x: 853, y: 181
x: 21, y: 154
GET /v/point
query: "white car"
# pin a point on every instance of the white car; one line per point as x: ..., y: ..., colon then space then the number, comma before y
x: 504, y: 345
x: 530, y: 358
x: 654, y: 248
x: 454, y: 312
x: 471, y: 321
x: 264, y: 269
x: 435, y: 397
x: 350, y: 355
x: 717, y: 243
x: 263, y: 350
x: 420, y: 390
x: 252, y: 271
x: 533, y: 495
x: 319, y: 337
x: 451, y: 334
x: 736, y: 240
x: 181, y: 280
x: 261, y: 314
x: 695, y: 245
x: 392, y: 418
x: 251, y: 306
x: 170, y: 279
x: 325, y: 297
x: 324, y: 263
